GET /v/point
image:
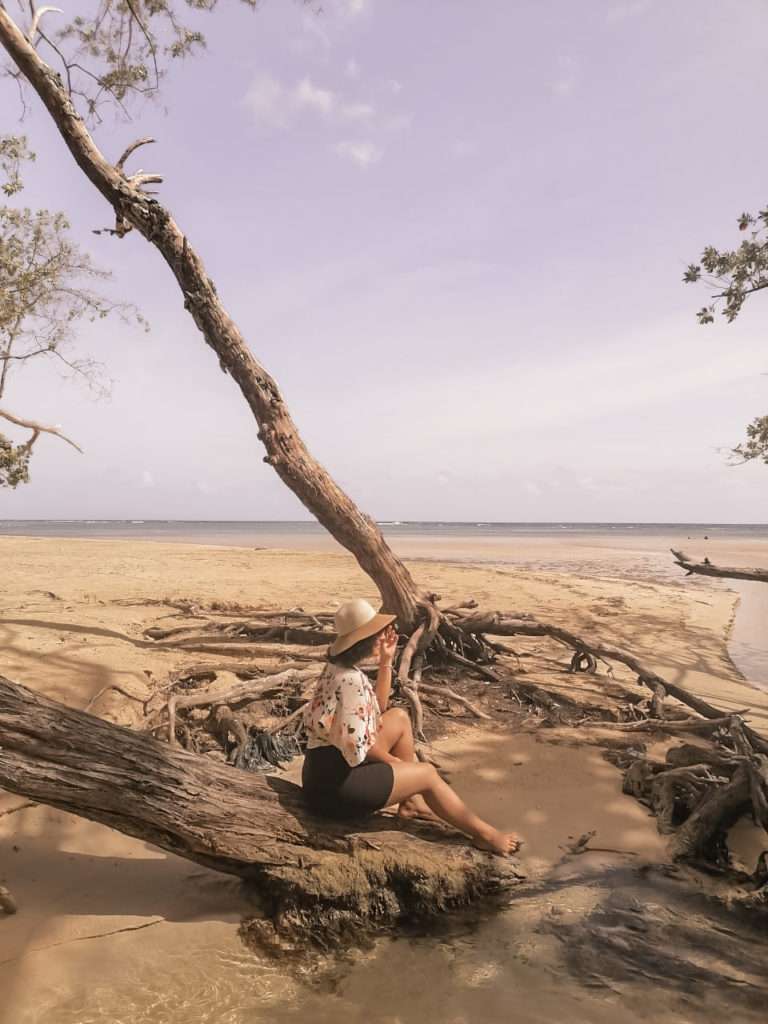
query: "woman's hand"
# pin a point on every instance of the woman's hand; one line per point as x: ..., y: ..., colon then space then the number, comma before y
x: 386, y: 645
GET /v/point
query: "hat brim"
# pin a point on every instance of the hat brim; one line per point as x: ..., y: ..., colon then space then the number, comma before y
x: 346, y: 640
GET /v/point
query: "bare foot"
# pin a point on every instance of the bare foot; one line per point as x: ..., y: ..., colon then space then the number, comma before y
x: 500, y: 843
x: 416, y: 807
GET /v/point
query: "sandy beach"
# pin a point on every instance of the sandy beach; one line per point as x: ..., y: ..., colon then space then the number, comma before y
x: 110, y: 929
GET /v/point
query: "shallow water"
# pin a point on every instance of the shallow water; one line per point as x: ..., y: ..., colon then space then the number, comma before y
x: 562, y: 955
x: 748, y: 643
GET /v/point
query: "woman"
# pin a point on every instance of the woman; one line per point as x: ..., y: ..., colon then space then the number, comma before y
x: 360, y: 756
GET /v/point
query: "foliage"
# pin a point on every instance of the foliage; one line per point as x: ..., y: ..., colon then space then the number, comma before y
x: 13, y: 151
x: 123, y: 47
x: 45, y: 294
x: 735, y: 274
x: 14, y: 463
x: 756, y: 445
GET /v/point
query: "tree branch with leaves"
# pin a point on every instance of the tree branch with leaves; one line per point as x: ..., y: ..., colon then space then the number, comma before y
x: 733, y: 275
x: 45, y: 295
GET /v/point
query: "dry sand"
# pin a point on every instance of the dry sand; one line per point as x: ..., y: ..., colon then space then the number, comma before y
x: 111, y: 929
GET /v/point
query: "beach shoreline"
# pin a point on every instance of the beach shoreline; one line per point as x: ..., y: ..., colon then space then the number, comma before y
x: 71, y: 613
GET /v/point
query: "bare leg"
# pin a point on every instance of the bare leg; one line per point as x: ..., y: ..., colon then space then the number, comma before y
x: 412, y: 779
x: 395, y: 738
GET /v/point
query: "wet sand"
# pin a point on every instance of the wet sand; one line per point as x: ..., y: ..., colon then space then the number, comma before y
x: 111, y: 930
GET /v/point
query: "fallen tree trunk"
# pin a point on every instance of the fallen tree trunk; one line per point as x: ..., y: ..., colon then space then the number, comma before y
x: 322, y: 883
x: 706, y: 568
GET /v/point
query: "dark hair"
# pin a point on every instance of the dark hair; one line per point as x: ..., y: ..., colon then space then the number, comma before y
x: 357, y: 652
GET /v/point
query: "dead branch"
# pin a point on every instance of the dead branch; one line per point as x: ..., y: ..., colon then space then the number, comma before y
x: 119, y: 689
x: 410, y: 692
x: 132, y: 149
x: 706, y: 568
x: 448, y: 694
x: 498, y: 624
x: 703, y: 725
x: 696, y: 838
x: 37, y: 17
x: 238, y: 633
x: 245, y: 690
x: 293, y: 719
x: 37, y: 429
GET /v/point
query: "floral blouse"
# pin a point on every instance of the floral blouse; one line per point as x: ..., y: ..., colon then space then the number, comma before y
x: 343, y: 713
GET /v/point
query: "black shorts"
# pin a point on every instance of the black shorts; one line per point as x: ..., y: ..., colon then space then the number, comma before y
x: 336, y: 790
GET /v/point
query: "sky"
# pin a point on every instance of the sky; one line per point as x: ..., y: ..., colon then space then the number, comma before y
x: 455, y: 234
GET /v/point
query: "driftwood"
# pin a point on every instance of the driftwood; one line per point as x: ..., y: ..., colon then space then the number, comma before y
x: 245, y: 690
x: 448, y: 694
x: 498, y: 624
x: 322, y: 883
x: 706, y: 568
x: 241, y: 632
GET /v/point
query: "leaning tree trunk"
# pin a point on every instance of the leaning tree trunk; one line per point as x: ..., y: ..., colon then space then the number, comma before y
x: 286, y: 451
x: 322, y: 883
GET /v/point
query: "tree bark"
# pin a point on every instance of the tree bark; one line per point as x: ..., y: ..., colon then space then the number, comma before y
x: 286, y: 451
x: 698, y: 835
x: 322, y: 883
x: 706, y: 568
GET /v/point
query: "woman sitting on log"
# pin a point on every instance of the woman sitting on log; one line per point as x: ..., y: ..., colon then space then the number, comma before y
x: 362, y: 757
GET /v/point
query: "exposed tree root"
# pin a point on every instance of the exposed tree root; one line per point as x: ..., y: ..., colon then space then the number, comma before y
x: 240, y: 691
x: 498, y: 624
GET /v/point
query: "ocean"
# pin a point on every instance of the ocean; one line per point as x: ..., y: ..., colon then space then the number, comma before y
x: 251, y: 533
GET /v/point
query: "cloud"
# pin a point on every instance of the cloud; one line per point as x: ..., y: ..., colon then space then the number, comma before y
x: 308, y: 95
x: 361, y: 153
x: 394, y: 86
x: 271, y: 103
x: 358, y: 111
x: 354, y: 7
x: 265, y: 98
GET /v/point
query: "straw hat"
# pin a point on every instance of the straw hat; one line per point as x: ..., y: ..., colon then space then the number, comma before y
x: 355, y: 621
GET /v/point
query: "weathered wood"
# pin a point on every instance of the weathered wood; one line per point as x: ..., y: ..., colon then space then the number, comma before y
x: 499, y: 624
x: 321, y: 881
x: 238, y: 633
x: 247, y: 689
x: 286, y: 450
x: 697, y: 837
x: 706, y: 568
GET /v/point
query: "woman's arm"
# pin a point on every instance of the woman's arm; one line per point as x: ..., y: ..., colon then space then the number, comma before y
x: 386, y: 646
